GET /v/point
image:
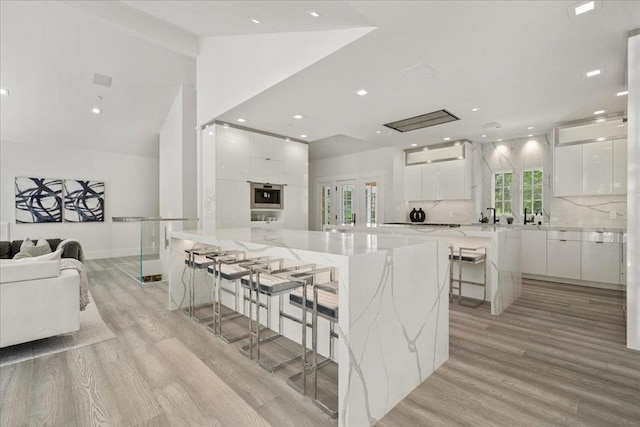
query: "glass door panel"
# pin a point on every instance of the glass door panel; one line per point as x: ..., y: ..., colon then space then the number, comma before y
x: 346, y: 201
x: 325, y: 204
x: 371, y: 201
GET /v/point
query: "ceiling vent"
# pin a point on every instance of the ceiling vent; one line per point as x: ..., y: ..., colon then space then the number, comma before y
x: 102, y: 80
x: 491, y: 125
x: 419, y: 71
x: 426, y: 120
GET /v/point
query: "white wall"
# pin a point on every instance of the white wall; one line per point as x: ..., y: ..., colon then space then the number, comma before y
x: 131, y: 189
x: 633, y: 194
x: 178, y: 154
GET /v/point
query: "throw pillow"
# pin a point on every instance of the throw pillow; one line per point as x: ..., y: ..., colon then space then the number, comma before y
x: 21, y: 255
x: 40, y: 248
x: 46, y: 257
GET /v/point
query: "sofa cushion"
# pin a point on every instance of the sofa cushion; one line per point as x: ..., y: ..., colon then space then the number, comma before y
x: 19, y: 271
x: 16, y: 244
x: 33, y: 248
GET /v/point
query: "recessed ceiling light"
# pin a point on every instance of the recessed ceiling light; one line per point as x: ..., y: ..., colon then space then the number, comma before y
x: 241, y: 120
x: 593, y: 73
x: 298, y: 116
x: 599, y: 112
x: 530, y: 127
x: 255, y: 21
x: 314, y: 14
x: 96, y: 110
x: 484, y: 136
x: 4, y: 92
x: 447, y: 138
x: 584, y: 7
x: 226, y: 125
x: 456, y: 143
x: 500, y: 140
x: 530, y: 135
x: 460, y: 157
x: 475, y: 109
x: 362, y: 92
x: 414, y: 145
x: 623, y: 93
x: 303, y: 136
x: 378, y: 131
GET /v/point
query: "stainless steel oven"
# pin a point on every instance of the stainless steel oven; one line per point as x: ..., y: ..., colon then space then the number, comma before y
x: 266, y: 196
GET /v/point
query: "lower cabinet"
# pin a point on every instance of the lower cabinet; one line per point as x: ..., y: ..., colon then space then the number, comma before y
x: 533, y: 252
x: 563, y: 259
x: 233, y: 208
x: 601, y: 262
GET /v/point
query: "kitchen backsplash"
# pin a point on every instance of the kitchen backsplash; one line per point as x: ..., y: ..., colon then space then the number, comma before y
x: 589, y: 211
x: 446, y: 211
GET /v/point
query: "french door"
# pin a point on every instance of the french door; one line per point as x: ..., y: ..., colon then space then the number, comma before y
x: 356, y: 200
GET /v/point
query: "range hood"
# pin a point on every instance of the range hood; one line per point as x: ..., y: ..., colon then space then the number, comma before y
x: 423, y: 121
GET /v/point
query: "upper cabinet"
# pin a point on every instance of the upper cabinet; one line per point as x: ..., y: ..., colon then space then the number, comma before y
x: 590, y: 158
x: 619, y: 166
x: 449, y: 179
x: 232, y: 146
x: 591, y: 169
x: 597, y: 168
x: 267, y: 147
x: 296, y: 163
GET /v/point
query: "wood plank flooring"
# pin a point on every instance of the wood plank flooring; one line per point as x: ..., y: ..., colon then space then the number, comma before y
x: 555, y: 357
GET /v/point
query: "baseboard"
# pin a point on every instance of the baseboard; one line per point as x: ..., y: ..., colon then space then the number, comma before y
x: 585, y: 283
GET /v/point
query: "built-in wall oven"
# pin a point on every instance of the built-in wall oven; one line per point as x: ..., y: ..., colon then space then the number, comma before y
x: 266, y: 196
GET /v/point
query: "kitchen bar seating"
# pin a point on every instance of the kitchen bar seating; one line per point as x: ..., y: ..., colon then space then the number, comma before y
x: 467, y: 256
x: 196, y: 261
x: 270, y: 279
x: 321, y: 297
x: 232, y: 270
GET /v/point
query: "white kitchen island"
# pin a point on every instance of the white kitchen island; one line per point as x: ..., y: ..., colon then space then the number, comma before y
x: 393, y: 329
x: 504, y: 278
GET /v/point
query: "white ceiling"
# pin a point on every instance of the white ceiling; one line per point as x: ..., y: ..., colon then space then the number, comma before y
x: 48, y: 55
x: 519, y: 62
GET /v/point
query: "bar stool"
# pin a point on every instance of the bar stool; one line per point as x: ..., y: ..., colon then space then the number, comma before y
x: 196, y: 261
x: 322, y: 299
x: 269, y: 278
x: 469, y: 256
x: 232, y: 270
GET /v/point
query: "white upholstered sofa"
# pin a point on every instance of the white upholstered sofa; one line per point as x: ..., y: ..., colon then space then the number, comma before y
x: 37, y: 300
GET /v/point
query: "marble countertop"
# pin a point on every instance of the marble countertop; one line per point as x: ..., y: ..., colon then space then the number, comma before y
x: 345, y: 244
x: 547, y: 227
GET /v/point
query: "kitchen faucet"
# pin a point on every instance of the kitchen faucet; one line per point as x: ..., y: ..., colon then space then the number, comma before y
x: 525, y: 217
x: 494, y: 213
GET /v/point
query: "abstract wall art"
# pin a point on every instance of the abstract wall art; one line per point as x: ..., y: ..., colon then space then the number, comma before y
x: 38, y: 200
x: 83, y: 201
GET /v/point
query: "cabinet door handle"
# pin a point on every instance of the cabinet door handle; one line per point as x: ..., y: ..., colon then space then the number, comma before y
x: 599, y: 242
x: 563, y: 240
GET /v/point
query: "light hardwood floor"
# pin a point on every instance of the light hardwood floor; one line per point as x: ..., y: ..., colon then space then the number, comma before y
x: 555, y: 357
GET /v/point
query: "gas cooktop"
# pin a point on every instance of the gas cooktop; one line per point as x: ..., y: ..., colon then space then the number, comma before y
x: 423, y: 224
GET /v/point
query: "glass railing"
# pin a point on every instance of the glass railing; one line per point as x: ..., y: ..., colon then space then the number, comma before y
x: 151, y: 264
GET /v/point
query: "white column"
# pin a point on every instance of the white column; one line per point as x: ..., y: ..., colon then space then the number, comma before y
x: 633, y: 193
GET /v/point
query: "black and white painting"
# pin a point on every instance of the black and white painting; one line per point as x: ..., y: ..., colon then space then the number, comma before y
x: 83, y: 201
x: 38, y: 200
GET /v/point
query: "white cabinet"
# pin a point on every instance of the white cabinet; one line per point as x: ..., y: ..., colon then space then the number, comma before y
x: 533, y: 252
x: 563, y: 258
x: 296, y: 163
x: 568, y: 171
x: 429, y: 179
x: 413, y: 182
x: 597, y: 168
x: 232, y: 204
x: 601, y: 262
x: 232, y: 161
x: 296, y: 207
x: 452, y: 180
x: 267, y: 147
x: 620, y: 166
x: 264, y: 170
x: 448, y: 180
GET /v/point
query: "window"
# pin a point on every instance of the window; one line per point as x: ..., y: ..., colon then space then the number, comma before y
x: 346, y: 201
x: 371, y: 201
x: 532, y: 180
x: 502, y: 182
x: 326, y: 204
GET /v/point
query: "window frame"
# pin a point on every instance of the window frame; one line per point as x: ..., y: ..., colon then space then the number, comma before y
x: 533, y: 185
x: 493, y: 192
